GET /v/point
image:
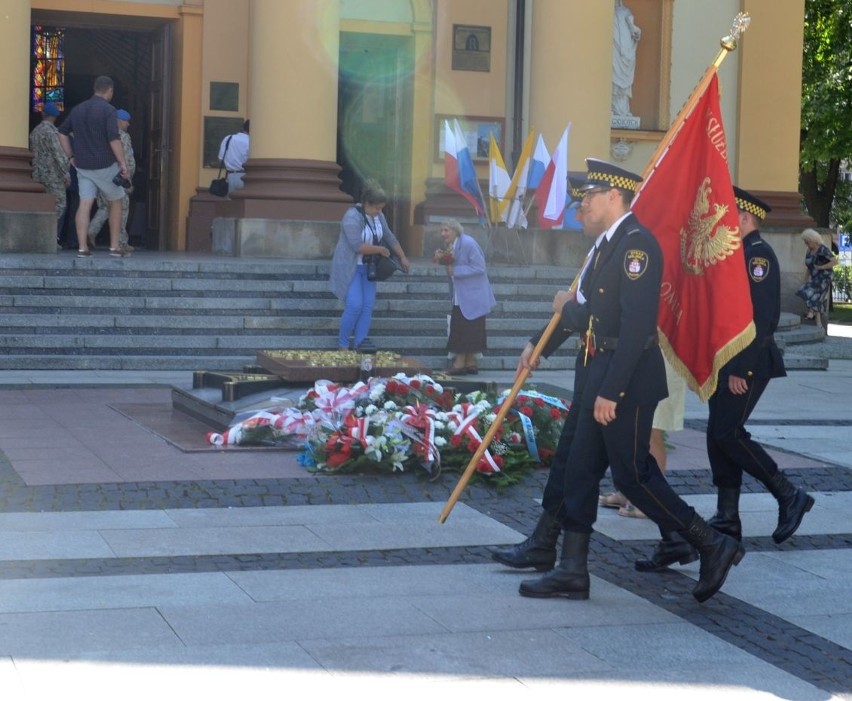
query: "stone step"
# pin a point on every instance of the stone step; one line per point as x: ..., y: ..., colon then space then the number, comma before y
x: 211, y: 313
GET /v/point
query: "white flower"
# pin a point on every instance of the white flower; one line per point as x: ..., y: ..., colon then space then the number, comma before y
x: 440, y: 441
x: 439, y: 425
x: 370, y: 410
x: 390, y: 406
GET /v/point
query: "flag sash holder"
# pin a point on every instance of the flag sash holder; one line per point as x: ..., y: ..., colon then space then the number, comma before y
x: 728, y: 44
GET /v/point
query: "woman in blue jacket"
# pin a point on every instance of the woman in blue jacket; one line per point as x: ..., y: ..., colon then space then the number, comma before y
x: 472, y: 298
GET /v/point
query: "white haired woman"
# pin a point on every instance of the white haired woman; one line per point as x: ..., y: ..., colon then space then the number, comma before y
x: 472, y: 298
x: 819, y: 260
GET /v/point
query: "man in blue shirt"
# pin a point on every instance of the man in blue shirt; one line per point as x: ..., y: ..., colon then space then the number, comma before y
x: 98, y: 156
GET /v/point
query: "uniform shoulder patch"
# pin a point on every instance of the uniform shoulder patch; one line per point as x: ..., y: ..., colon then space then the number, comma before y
x: 758, y: 268
x: 635, y: 263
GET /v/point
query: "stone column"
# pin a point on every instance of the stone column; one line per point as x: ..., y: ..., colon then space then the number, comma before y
x: 570, y: 62
x: 27, y: 221
x: 770, y: 107
x: 292, y: 171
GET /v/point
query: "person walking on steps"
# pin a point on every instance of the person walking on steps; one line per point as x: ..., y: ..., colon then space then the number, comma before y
x: 619, y: 379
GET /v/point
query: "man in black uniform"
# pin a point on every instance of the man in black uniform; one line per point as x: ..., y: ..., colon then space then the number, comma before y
x: 539, y: 550
x: 619, y: 379
x: 741, y: 383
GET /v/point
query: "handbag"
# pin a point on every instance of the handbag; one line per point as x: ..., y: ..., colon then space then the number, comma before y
x: 381, y: 268
x: 219, y: 185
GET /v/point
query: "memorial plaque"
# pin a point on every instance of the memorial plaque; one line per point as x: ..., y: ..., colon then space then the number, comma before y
x: 471, y: 48
x: 225, y: 96
x: 337, y: 366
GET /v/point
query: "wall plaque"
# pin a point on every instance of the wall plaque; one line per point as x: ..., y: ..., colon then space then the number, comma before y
x: 471, y: 48
x: 225, y: 96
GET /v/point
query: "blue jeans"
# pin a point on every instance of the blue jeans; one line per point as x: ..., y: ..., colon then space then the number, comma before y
x: 358, y: 308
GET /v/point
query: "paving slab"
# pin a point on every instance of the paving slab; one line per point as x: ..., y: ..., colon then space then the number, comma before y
x: 118, y: 592
x: 57, y: 634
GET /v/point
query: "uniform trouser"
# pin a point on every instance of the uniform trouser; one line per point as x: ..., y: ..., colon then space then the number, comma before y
x: 57, y: 189
x: 729, y: 446
x: 101, y: 216
x: 623, y: 446
x: 553, y: 499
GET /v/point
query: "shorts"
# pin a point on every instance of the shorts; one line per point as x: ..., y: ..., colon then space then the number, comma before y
x: 669, y: 413
x: 90, y: 181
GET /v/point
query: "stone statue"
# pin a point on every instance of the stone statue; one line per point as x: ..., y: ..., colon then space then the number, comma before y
x: 624, y: 41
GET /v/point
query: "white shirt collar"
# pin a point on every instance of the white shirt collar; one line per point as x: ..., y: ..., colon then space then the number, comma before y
x: 609, y: 232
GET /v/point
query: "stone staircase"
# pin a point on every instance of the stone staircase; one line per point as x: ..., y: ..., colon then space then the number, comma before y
x: 167, y: 311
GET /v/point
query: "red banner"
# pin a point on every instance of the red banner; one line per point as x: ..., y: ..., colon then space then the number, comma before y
x: 688, y: 203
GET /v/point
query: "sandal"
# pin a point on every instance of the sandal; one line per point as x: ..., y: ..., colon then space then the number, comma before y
x: 613, y: 500
x: 810, y: 316
x: 630, y: 511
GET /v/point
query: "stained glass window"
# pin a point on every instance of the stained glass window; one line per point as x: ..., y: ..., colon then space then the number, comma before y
x: 48, y: 67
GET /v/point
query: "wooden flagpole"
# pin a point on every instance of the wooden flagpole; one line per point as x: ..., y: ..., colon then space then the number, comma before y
x: 728, y: 44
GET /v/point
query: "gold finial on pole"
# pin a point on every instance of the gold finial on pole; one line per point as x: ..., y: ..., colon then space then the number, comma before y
x: 729, y: 42
x: 741, y: 22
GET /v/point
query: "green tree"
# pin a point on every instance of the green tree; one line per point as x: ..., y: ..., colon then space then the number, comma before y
x: 826, y: 137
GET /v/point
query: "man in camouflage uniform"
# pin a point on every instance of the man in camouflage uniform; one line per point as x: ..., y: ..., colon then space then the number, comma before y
x: 50, y: 164
x: 100, y: 217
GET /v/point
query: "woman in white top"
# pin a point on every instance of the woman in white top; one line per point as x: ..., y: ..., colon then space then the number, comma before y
x: 363, y: 231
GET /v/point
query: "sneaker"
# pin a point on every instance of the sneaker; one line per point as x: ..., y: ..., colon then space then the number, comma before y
x: 84, y: 254
x: 367, y: 346
x: 127, y: 248
x: 117, y: 252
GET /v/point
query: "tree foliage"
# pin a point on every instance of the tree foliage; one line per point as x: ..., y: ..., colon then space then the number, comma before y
x: 826, y: 137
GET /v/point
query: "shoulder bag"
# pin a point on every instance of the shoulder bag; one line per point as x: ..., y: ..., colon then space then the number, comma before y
x: 380, y: 267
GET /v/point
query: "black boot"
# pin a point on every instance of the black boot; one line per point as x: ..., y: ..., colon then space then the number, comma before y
x: 571, y: 578
x: 727, y: 517
x: 672, y: 548
x: 793, y: 504
x: 718, y: 553
x: 539, y: 550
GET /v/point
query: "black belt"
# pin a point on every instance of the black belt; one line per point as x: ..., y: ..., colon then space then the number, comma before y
x: 608, y: 343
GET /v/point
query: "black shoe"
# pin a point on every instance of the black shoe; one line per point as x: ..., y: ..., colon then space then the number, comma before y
x: 727, y: 517
x: 718, y: 552
x: 538, y: 551
x: 670, y: 550
x: 793, y: 504
x: 367, y: 346
x: 570, y: 579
